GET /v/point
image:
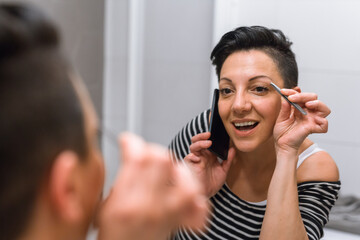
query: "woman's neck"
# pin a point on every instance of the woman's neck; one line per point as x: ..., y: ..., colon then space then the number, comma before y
x: 251, y: 172
x: 260, y: 159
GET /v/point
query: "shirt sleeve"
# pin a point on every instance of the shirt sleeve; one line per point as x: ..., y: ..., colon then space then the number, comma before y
x: 180, y: 145
x: 315, y: 202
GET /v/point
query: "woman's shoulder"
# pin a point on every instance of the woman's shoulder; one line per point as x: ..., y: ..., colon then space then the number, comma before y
x: 317, y: 166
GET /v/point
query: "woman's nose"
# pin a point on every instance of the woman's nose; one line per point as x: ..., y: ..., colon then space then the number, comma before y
x: 241, y: 104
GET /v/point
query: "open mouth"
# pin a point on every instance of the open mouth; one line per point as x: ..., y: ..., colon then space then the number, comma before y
x: 245, y: 126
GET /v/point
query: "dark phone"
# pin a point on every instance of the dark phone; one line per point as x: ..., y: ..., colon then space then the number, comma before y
x: 219, y: 137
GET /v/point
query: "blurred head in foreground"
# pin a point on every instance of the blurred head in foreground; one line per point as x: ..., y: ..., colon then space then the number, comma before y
x: 50, y: 166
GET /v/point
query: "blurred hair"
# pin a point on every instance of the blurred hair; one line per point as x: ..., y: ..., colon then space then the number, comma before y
x: 271, y: 41
x: 40, y: 111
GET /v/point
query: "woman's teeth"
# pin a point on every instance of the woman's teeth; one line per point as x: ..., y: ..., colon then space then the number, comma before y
x: 245, y: 125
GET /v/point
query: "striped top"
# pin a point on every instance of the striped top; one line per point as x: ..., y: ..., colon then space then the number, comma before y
x: 234, y: 218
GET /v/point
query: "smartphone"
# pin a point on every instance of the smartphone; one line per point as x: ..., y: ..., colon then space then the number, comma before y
x: 219, y: 137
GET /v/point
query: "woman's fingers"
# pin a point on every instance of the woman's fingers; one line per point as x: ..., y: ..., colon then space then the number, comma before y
x: 321, y: 125
x: 200, y: 136
x: 187, y: 202
x: 285, y: 112
x: 227, y: 163
x: 200, y: 145
x: 132, y: 147
x: 302, y: 97
x: 319, y: 107
x: 191, y: 157
x: 310, y: 100
x: 299, y: 97
x: 199, y: 142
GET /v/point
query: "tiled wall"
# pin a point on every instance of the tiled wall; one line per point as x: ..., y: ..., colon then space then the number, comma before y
x: 326, y: 41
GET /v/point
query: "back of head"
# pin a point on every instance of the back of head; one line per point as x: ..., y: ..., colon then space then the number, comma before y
x: 40, y: 113
x: 272, y: 42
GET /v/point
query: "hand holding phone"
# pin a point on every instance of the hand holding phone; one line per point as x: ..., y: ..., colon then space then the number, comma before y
x: 219, y: 137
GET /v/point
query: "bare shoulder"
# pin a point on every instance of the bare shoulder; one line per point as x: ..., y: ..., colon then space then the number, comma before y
x: 318, y: 167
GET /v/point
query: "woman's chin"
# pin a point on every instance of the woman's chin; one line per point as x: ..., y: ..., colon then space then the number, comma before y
x: 253, y: 145
x: 245, y: 146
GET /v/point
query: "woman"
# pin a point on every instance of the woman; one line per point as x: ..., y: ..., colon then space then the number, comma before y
x: 276, y: 183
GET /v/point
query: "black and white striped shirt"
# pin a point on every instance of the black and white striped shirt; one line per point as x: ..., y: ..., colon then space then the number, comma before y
x: 234, y: 218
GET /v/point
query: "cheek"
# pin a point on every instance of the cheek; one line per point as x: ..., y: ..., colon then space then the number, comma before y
x: 268, y: 108
x: 92, y: 184
x: 224, y: 108
x: 99, y: 172
x: 96, y: 177
x: 95, y: 183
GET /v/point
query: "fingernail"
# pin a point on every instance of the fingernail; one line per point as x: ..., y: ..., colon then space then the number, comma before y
x: 292, y: 98
x: 311, y: 103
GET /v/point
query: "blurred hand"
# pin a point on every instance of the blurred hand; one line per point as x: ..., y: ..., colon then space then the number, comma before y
x: 205, y: 165
x: 151, y: 196
x: 292, y: 127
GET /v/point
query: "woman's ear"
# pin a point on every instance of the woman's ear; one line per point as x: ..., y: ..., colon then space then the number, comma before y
x: 297, y: 88
x: 64, y: 187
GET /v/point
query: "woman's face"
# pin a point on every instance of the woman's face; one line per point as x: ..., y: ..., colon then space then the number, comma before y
x: 248, y: 105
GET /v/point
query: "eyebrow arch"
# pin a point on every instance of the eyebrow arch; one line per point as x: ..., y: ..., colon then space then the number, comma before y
x: 260, y: 76
x: 251, y: 79
x: 225, y: 79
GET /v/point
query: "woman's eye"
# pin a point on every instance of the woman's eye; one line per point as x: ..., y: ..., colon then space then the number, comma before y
x: 261, y: 89
x: 225, y: 91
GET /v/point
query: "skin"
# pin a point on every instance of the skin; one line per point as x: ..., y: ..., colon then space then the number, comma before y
x: 262, y: 160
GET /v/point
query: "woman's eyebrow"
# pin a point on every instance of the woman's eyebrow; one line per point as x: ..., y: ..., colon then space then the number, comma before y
x: 260, y: 76
x: 226, y: 79
x: 251, y: 79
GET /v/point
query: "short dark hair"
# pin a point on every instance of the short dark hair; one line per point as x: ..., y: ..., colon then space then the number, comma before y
x: 271, y: 41
x: 40, y: 111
